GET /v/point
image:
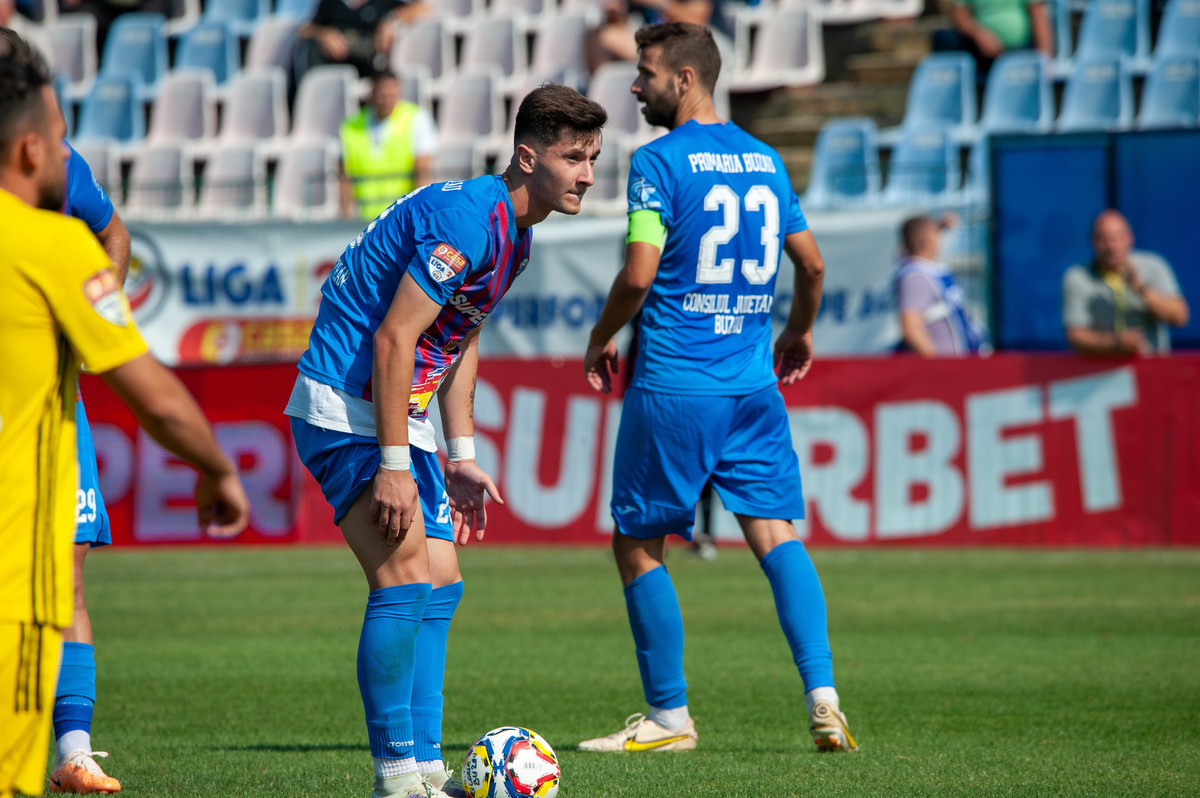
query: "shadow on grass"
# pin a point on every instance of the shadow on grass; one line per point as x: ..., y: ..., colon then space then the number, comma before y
x: 297, y: 748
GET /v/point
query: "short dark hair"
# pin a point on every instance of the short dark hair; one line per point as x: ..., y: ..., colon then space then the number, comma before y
x: 913, y: 228
x: 552, y: 109
x: 684, y: 44
x: 23, y: 75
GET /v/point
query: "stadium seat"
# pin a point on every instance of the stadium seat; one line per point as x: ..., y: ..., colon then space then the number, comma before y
x: 458, y: 161
x: 787, y: 51
x: 137, y: 43
x: 923, y: 170
x: 941, y: 94
x: 182, y: 15
x: 61, y: 83
x: 272, y: 43
x: 102, y: 160
x: 242, y: 16
x: 1060, y: 11
x: 1098, y: 96
x: 609, y: 86
x: 1179, y: 29
x: 210, y: 45
x: 159, y: 181
x: 415, y: 85
x: 895, y: 9
x: 186, y: 108
x: 525, y: 14
x: 425, y: 43
x: 1113, y: 28
x: 234, y: 184
x: 256, y: 107
x: 1019, y: 97
x: 835, y: 12
x: 473, y: 110
x: 296, y: 10
x: 306, y: 180
x: 454, y: 15
x: 71, y: 43
x: 495, y: 42
x: 1171, y: 94
x: 845, y: 170
x: 112, y: 111
x: 326, y: 96
x: 559, y: 52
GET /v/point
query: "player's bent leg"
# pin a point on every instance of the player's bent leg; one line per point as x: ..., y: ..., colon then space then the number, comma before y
x: 429, y: 676
x: 399, y: 579
x: 800, y: 604
x: 657, y: 625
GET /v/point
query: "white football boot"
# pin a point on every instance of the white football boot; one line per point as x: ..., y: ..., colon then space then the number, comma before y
x: 642, y: 734
x: 442, y: 784
x: 406, y: 785
x: 828, y: 728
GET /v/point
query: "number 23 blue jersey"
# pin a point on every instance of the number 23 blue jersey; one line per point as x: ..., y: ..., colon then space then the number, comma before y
x: 727, y: 203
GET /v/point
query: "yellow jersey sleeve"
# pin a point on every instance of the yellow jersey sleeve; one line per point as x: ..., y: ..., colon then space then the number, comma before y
x: 85, y: 297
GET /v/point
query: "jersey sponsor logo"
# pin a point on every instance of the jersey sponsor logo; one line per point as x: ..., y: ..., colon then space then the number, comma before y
x: 473, y: 314
x: 641, y: 194
x: 445, y: 262
x: 103, y: 293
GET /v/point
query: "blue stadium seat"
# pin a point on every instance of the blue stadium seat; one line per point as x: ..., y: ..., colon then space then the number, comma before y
x: 1116, y: 28
x: 845, y: 170
x: 1098, y: 96
x: 112, y: 111
x: 1062, y: 36
x: 297, y: 10
x: 977, y: 184
x: 1171, y: 95
x: 1019, y: 98
x: 1179, y: 29
x: 210, y: 45
x: 924, y: 170
x: 241, y: 15
x: 942, y: 95
x: 137, y: 43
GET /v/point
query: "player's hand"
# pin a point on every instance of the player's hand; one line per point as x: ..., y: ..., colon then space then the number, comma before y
x: 599, y: 365
x: 793, y: 355
x: 394, y: 503
x: 467, y: 489
x: 1132, y: 342
x: 221, y: 505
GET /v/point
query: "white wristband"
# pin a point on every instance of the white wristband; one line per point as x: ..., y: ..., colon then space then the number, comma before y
x: 394, y: 458
x: 460, y: 449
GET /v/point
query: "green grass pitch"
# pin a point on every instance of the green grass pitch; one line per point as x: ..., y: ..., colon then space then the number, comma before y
x: 977, y: 673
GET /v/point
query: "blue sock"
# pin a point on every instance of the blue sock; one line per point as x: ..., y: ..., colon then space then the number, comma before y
x: 431, y: 671
x: 657, y: 626
x: 800, y: 602
x: 386, y: 656
x: 76, y: 695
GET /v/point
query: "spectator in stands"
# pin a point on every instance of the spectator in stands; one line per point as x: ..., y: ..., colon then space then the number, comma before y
x: 934, y: 320
x: 987, y: 28
x: 355, y: 32
x: 612, y: 40
x: 1120, y: 303
x: 387, y: 149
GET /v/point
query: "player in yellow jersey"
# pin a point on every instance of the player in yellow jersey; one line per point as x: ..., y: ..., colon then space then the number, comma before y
x: 60, y: 304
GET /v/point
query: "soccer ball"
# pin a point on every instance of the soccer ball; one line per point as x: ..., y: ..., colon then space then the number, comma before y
x: 511, y: 762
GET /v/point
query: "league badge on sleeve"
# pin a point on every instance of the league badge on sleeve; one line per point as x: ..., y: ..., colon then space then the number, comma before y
x: 641, y: 195
x: 445, y: 262
x: 103, y: 293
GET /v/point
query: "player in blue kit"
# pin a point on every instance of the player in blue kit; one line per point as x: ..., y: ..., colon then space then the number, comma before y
x: 76, y: 769
x: 399, y: 322
x: 711, y: 210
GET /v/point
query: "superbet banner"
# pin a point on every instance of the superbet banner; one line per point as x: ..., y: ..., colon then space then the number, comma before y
x: 1009, y: 450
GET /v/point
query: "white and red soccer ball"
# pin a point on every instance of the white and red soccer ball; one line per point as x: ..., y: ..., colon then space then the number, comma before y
x: 511, y: 762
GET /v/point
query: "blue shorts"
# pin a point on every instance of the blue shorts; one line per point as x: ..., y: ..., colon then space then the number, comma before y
x: 670, y: 445
x: 91, y: 516
x: 344, y: 464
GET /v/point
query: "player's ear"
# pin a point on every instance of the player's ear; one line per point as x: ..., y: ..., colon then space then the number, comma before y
x: 526, y: 158
x: 685, y: 78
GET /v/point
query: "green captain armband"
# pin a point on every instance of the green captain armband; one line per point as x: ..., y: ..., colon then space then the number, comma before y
x: 647, y: 227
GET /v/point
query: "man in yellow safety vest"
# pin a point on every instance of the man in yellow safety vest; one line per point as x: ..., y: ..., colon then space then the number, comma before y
x: 387, y: 148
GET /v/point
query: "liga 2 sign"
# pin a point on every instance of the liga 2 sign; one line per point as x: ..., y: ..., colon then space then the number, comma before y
x: 1008, y: 450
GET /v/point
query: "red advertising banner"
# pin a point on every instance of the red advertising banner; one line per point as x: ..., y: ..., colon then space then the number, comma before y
x: 1008, y: 450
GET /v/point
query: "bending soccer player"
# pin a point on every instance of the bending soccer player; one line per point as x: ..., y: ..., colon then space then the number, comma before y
x: 75, y: 768
x: 399, y: 321
x: 62, y: 303
x: 710, y: 211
